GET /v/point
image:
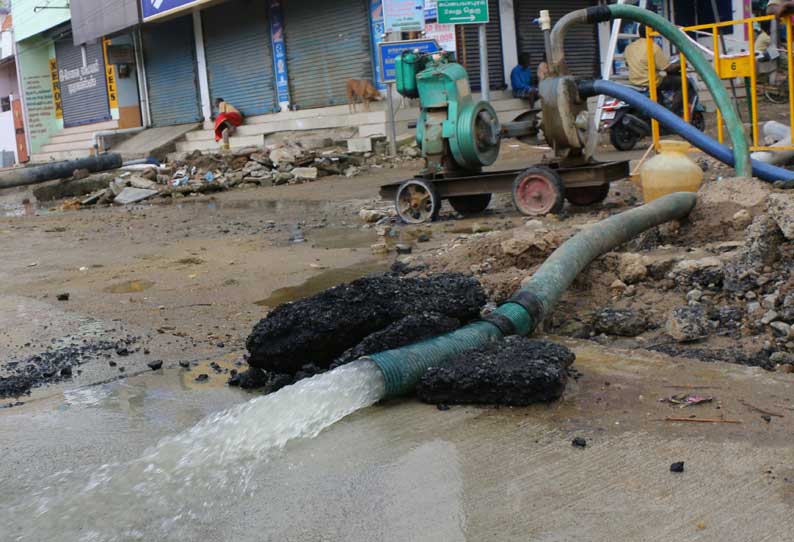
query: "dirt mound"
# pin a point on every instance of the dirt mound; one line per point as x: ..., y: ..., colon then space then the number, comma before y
x: 516, y: 372
x: 320, y: 329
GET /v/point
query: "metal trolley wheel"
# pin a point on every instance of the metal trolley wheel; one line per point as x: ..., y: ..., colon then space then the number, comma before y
x: 470, y: 205
x: 538, y: 191
x: 587, y: 195
x: 417, y: 201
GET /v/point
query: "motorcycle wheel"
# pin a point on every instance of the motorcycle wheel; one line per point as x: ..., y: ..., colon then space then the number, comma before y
x: 622, y: 138
x: 777, y: 94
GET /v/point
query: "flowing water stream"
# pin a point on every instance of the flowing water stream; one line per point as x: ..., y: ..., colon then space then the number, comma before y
x: 172, y: 483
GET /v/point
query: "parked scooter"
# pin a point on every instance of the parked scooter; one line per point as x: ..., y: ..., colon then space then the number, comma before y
x: 627, y: 125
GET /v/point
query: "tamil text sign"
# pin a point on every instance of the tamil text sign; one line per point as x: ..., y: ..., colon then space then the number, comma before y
x: 463, y: 11
x: 404, y: 15
x: 388, y: 51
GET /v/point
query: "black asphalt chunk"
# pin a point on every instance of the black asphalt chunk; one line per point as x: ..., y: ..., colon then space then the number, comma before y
x: 321, y: 328
x: 515, y: 372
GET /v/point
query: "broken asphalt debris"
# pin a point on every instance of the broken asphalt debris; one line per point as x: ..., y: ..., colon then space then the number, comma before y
x: 320, y: 329
x: 19, y: 377
x: 515, y: 372
x: 579, y: 442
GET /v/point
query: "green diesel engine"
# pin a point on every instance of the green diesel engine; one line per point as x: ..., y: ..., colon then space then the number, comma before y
x: 456, y: 134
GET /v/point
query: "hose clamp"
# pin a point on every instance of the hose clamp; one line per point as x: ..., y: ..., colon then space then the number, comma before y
x: 502, y: 323
x: 533, y: 304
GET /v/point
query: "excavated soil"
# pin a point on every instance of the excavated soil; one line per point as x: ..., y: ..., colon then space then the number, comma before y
x: 730, y: 259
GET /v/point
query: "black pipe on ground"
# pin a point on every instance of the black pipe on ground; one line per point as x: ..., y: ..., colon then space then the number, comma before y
x: 58, y: 170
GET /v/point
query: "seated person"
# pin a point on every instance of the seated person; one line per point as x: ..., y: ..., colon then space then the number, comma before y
x: 636, y: 55
x: 521, y: 79
x: 227, y: 121
x: 764, y: 40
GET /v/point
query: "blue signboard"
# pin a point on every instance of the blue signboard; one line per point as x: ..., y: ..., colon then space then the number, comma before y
x: 377, y: 30
x: 155, y: 8
x: 279, y: 53
x: 389, y: 51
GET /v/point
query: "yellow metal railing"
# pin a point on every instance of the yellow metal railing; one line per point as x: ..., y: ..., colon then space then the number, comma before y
x: 727, y: 67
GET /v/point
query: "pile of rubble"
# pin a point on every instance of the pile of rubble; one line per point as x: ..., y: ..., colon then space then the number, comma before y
x: 199, y: 173
x: 719, y: 286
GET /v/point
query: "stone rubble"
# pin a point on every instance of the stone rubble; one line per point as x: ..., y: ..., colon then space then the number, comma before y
x: 305, y: 160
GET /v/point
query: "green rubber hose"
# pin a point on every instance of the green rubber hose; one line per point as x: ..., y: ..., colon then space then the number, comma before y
x: 403, y: 368
x: 600, y: 14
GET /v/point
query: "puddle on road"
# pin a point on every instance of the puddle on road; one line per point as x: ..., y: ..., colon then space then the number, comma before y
x: 129, y: 287
x: 322, y: 281
x: 276, y: 206
x: 218, y: 372
x: 338, y: 238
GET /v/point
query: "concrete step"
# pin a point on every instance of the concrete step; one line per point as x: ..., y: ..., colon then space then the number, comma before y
x: 91, y: 128
x: 44, y: 157
x: 71, y: 138
x: 373, y: 130
x: 282, y: 122
x: 236, y: 142
x: 84, y: 144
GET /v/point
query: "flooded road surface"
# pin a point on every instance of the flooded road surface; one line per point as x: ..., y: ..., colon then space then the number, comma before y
x: 406, y: 471
x: 323, y: 281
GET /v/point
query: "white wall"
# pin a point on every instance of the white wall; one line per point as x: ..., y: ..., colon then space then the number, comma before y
x: 8, y: 141
x: 509, y: 41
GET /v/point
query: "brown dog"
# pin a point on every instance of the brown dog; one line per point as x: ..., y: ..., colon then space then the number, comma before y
x: 359, y: 90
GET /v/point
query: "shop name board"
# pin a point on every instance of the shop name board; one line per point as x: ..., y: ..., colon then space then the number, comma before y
x: 84, y: 78
x: 388, y: 51
x: 151, y: 9
x: 463, y: 12
x: 404, y: 15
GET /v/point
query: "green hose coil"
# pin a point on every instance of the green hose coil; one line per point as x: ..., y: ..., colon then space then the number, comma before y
x: 402, y: 368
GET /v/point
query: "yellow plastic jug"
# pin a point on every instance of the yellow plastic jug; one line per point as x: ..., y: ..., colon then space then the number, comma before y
x: 672, y: 170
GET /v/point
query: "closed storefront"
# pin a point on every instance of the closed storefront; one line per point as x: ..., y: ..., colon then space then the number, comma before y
x: 170, y: 59
x: 469, y: 49
x: 328, y: 43
x: 239, y: 58
x: 83, y: 88
x: 581, y: 45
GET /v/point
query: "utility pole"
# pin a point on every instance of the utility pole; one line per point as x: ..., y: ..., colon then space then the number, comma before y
x: 485, y: 80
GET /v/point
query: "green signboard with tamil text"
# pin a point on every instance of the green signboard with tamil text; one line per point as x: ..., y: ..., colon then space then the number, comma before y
x: 462, y: 11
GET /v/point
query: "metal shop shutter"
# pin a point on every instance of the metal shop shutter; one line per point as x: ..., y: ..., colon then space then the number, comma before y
x: 170, y: 58
x: 328, y: 43
x: 469, y: 50
x: 581, y: 45
x: 239, y: 58
x: 84, y: 90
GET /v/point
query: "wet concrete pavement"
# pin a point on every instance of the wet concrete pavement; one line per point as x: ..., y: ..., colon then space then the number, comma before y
x: 407, y: 471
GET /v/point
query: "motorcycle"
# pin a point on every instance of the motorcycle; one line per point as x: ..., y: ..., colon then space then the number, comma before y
x: 627, y: 124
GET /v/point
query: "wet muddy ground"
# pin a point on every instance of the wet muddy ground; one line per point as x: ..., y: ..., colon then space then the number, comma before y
x: 188, y: 281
